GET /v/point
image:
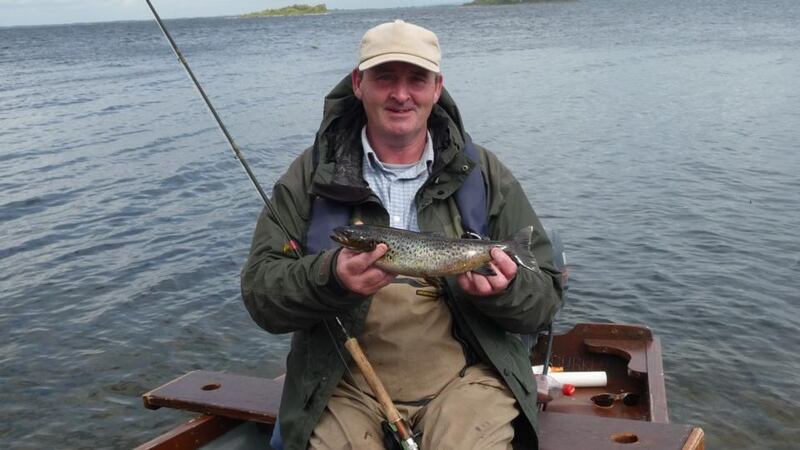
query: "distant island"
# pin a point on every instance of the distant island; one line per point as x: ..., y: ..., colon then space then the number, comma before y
x: 507, y: 2
x: 293, y: 10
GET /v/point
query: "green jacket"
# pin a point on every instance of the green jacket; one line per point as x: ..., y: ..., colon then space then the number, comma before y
x: 284, y: 294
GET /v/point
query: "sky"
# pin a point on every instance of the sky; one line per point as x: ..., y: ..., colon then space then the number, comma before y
x: 42, y: 12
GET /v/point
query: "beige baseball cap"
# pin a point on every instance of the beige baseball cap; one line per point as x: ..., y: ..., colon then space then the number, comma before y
x: 400, y: 41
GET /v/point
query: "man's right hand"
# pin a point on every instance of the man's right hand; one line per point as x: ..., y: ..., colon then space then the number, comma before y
x: 356, y: 272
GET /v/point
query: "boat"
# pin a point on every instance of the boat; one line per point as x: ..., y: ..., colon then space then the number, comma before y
x: 239, y: 412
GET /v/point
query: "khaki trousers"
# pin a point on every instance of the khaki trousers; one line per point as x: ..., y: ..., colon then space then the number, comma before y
x: 471, y: 412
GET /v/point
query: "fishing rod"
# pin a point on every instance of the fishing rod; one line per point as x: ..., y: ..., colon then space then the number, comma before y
x: 397, y: 423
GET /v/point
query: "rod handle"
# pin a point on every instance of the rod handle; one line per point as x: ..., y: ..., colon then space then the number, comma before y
x: 392, y: 415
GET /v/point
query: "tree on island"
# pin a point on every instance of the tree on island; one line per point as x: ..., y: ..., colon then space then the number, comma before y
x: 293, y: 10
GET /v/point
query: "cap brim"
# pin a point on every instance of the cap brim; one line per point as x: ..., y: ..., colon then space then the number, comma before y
x: 400, y: 57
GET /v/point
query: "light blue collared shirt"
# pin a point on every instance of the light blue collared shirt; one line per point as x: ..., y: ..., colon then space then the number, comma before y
x: 396, y: 185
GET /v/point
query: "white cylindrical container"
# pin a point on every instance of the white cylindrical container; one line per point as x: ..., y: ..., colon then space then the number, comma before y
x: 577, y: 379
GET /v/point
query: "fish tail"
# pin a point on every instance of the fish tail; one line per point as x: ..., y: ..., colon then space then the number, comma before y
x: 521, y: 249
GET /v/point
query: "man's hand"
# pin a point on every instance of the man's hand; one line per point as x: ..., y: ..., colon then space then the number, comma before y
x: 356, y: 272
x: 480, y: 285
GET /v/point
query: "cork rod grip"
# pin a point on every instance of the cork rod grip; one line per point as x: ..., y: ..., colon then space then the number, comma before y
x: 392, y: 415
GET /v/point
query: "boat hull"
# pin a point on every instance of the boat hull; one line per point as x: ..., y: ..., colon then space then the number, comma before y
x: 239, y: 412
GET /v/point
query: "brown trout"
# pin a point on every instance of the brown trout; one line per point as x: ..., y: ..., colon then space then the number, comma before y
x: 431, y: 255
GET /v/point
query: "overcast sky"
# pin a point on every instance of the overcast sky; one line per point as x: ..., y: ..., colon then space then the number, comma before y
x: 37, y: 12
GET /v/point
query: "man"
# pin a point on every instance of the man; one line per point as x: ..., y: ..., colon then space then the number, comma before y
x: 390, y: 151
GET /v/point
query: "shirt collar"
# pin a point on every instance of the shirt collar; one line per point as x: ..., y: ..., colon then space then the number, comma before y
x: 375, y: 164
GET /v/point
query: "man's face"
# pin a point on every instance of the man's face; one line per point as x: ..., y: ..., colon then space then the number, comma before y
x: 397, y: 98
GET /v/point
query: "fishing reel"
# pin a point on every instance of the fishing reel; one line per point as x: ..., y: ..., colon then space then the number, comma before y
x: 393, y: 441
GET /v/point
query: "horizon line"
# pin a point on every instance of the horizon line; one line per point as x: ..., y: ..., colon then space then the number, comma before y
x: 236, y: 16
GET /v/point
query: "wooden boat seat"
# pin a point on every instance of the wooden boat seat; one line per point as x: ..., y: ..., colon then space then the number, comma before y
x: 220, y: 394
x: 558, y: 431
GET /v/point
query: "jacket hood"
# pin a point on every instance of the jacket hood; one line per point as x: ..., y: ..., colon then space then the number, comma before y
x: 337, y: 147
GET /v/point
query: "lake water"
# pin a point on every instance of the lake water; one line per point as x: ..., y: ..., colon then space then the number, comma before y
x: 659, y: 137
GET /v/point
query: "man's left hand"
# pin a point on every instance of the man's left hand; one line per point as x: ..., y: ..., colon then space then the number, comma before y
x: 481, y: 285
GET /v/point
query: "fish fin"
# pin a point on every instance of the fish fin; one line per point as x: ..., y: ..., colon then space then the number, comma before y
x: 521, y: 251
x: 486, y: 270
